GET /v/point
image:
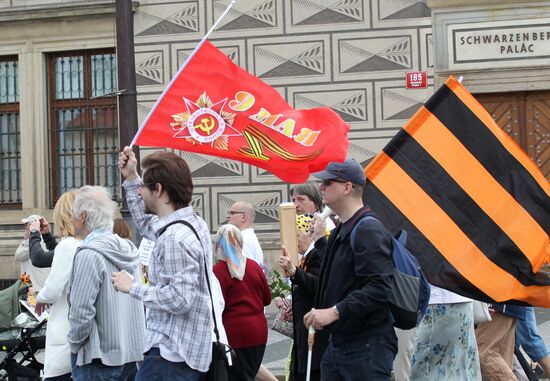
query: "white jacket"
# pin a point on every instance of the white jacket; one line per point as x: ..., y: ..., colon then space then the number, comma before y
x: 58, y: 354
x: 442, y: 296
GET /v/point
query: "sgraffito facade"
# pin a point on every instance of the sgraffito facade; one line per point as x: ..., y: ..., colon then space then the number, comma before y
x: 348, y: 55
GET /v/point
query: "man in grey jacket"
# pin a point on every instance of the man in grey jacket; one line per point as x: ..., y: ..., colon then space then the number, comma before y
x: 107, y: 327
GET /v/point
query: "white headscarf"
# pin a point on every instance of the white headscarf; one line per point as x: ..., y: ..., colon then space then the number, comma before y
x: 228, y: 247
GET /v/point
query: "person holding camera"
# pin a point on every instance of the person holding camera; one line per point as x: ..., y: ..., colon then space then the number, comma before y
x: 37, y: 275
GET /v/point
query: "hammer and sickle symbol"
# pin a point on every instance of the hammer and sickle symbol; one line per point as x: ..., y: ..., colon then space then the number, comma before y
x: 206, y: 125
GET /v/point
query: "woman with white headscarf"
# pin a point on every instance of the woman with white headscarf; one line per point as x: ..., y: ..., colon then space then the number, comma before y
x: 246, y: 292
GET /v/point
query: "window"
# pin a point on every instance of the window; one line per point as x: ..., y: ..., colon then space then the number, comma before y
x: 10, y: 140
x: 83, y: 121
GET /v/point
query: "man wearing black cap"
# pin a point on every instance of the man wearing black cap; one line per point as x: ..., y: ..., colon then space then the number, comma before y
x: 354, y: 286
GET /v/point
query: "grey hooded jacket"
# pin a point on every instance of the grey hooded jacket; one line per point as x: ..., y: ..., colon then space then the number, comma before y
x: 104, y: 324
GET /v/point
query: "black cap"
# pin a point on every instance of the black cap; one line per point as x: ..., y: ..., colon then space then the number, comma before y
x: 349, y: 170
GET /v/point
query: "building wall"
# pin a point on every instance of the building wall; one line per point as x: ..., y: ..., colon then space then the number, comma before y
x: 348, y: 55
x: 30, y: 30
x: 351, y: 55
x: 499, y: 65
x: 502, y: 48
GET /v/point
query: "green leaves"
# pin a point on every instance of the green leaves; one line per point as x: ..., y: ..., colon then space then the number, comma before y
x: 279, y: 287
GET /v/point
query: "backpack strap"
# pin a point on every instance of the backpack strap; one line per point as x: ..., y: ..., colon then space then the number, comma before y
x: 161, y: 232
x: 366, y: 215
x: 401, y: 236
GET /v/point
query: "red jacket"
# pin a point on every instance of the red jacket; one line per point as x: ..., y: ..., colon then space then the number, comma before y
x: 243, y: 315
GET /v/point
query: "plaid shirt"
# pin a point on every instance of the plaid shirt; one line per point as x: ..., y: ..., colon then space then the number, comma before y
x: 179, y: 314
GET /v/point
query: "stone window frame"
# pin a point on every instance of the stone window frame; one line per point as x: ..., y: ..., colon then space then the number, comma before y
x: 83, y: 122
x: 10, y: 133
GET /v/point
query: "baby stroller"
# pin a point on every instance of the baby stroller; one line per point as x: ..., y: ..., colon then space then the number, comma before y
x: 21, y: 336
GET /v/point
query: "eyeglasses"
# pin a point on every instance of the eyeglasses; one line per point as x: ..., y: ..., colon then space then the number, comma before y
x: 232, y: 212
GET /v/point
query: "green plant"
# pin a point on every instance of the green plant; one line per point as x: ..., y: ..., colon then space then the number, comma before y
x: 278, y: 286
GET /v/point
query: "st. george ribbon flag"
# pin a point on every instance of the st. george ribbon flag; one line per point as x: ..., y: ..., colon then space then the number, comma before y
x: 216, y: 108
x: 476, y: 208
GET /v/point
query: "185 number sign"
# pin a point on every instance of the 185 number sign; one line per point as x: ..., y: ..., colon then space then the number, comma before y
x: 417, y: 79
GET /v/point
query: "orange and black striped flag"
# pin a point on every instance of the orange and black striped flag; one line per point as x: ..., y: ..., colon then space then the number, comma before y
x: 476, y: 208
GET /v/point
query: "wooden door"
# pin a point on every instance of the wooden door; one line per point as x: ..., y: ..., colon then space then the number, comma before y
x: 525, y: 116
x: 537, y: 106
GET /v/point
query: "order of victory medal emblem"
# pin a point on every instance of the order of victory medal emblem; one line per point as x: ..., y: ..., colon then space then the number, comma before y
x: 205, y: 122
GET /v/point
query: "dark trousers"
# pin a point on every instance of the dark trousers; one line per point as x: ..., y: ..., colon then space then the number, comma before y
x: 63, y: 377
x: 369, y: 358
x: 156, y: 368
x: 314, y: 376
x: 247, y: 364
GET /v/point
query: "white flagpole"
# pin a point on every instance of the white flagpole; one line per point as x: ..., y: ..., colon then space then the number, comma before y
x: 310, y: 340
x: 180, y: 70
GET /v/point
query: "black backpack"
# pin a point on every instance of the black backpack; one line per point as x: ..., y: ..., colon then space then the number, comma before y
x: 410, y: 288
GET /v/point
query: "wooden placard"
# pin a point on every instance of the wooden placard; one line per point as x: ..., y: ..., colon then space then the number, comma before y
x: 287, y: 222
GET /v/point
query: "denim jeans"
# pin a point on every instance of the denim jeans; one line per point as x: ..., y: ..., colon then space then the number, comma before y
x: 155, y: 368
x: 96, y: 371
x: 528, y: 338
x: 368, y: 358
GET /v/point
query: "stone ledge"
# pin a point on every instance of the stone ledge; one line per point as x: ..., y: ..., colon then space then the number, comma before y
x: 499, y: 80
x: 437, y: 4
x: 60, y: 10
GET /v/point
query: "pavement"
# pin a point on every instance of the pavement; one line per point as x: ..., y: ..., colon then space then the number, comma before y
x: 278, y: 345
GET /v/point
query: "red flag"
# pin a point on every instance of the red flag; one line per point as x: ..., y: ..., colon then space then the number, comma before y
x: 216, y: 108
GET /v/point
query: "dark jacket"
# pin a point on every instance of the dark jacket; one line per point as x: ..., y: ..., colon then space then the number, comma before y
x: 357, y: 280
x: 39, y: 257
x: 304, y: 284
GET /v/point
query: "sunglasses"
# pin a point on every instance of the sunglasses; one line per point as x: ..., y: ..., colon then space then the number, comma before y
x: 232, y: 212
x: 328, y: 183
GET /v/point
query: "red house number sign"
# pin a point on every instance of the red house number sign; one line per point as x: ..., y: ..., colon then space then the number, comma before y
x: 417, y: 79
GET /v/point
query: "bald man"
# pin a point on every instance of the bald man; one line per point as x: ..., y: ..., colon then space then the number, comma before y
x: 242, y: 214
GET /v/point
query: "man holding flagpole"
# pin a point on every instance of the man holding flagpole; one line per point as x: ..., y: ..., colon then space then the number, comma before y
x: 179, y: 316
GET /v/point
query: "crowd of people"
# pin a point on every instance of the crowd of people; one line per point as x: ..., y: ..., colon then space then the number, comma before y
x: 107, y: 324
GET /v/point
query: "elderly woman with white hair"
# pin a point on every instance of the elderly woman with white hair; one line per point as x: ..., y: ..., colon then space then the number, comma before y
x: 106, y: 327
x: 246, y: 292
